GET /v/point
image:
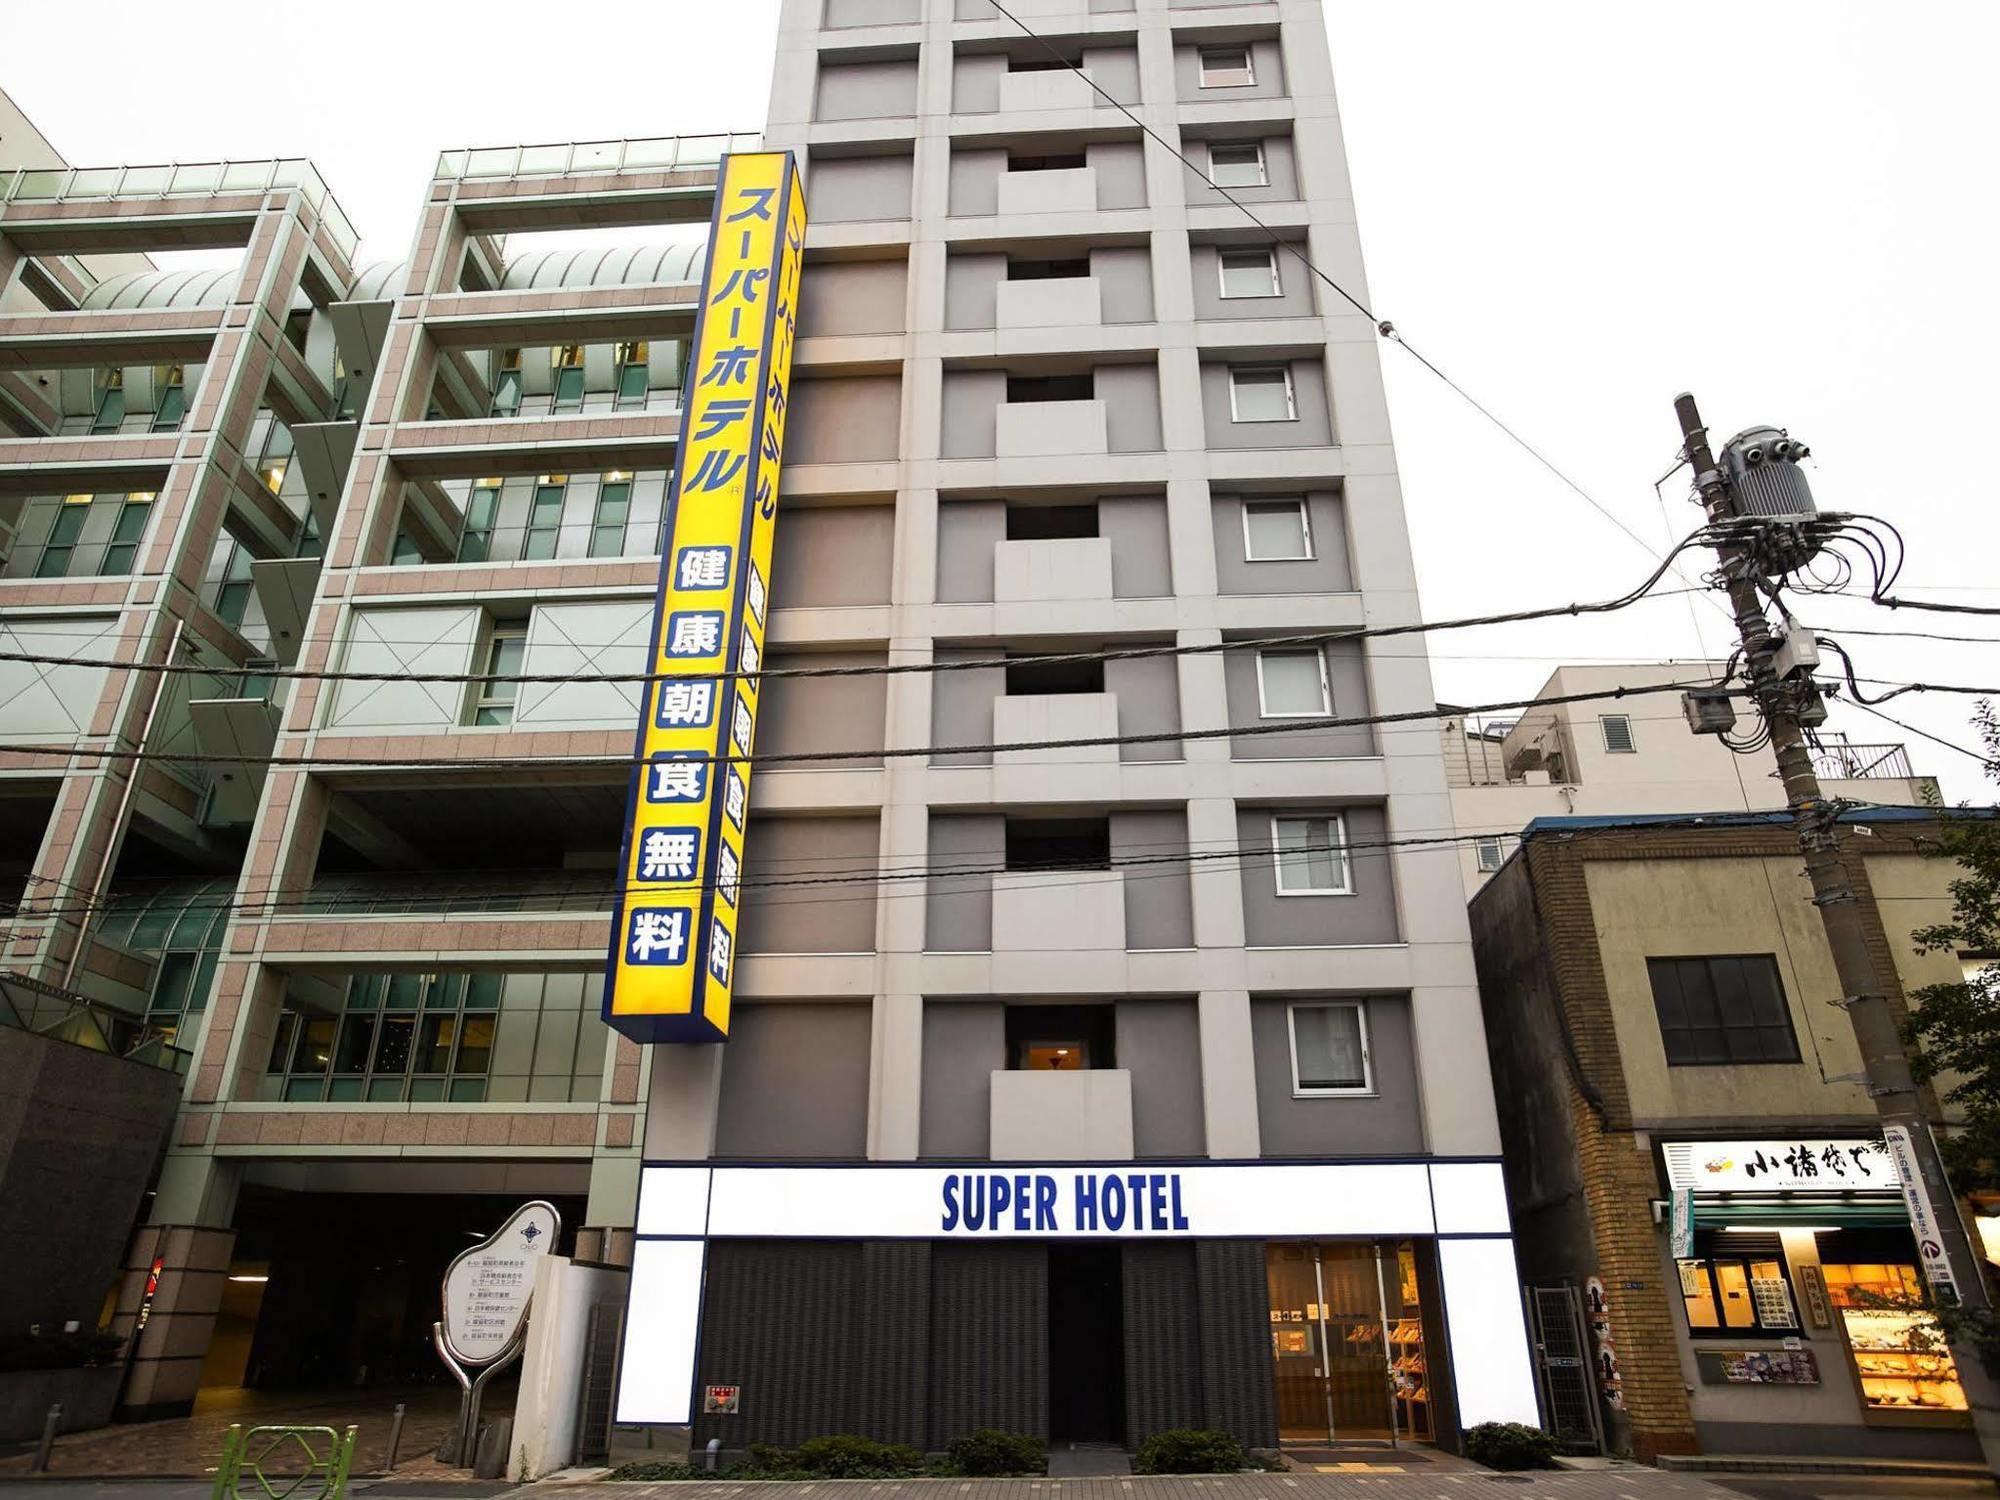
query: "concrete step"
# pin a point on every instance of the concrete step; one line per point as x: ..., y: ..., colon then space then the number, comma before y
x: 1805, y: 1463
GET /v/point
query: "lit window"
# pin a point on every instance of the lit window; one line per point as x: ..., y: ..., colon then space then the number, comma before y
x: 110, y: 414
x: 1226, y: 68
x: 631, y: 379
x: 1492, y: 853
x: 567, y: 363
x: 273, y: 474
x: 1729, y: 1294
x: 130, y: 526
x: 1248, y: 273
x: 482, y: 508
x: 1237, y: 164
x: 493, y: 702
x: 1276, y: 531
x: 1292, y: 685
x: 1329, y: 1049
x: 1262, y: 395
x: 545, y: 517
x: 614, y: 506
x: 1309, y: 855
x: 169, y: 397
x: 1618, y: 734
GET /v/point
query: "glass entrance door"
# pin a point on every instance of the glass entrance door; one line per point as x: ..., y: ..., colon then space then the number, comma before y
x: 1345, y: 1335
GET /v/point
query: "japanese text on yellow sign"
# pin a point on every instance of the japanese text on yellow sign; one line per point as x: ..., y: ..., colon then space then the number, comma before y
x: 673, y: 938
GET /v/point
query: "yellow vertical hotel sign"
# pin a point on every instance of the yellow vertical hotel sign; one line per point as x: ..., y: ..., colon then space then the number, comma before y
x: 673, y: 937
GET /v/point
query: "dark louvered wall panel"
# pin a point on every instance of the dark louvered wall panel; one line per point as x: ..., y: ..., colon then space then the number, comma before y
x: 893, y: 1341
x: 779, y: 1320
x: 1162, y: 1341
x: 1237, y: 1394
x: 989, y: 1340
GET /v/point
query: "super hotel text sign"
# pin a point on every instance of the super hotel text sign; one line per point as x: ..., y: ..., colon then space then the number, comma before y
x: 673, y: 936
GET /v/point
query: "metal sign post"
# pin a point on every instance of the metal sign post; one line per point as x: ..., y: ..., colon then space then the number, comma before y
x: 485, y: 1300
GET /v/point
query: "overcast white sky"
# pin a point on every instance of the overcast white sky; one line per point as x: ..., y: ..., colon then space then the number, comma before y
x: 1576, y: 209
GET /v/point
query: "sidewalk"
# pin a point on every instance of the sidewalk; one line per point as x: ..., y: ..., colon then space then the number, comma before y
x: 1379, y: 1484
x: 191, y: 1446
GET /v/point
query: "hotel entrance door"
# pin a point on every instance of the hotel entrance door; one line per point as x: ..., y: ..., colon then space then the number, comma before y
x: 1346, y: 1342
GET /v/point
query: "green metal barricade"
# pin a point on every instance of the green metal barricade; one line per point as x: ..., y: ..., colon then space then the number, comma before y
x: 266, y: 1461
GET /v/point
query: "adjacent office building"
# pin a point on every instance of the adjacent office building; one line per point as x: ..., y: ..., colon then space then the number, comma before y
x: 1136, y: 1084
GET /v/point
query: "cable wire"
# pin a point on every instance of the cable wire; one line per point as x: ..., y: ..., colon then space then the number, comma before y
x: 883, y: 669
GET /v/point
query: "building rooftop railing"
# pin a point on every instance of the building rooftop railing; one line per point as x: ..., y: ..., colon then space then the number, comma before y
x: 656, y: 153
x: 58, y: 184
x: 1844, y: 762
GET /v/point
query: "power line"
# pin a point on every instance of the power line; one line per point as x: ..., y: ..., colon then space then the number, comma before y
x: 1383, y: 326
x: 884, y: 669
x: 802, y: 757
x: 1912, y: 729
x: 369, y: 903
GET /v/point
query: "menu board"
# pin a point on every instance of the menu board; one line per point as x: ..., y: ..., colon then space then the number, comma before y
x: 487, y: 1288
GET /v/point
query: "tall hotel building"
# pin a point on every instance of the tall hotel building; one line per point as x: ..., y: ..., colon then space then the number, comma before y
x: 1131, y: 1083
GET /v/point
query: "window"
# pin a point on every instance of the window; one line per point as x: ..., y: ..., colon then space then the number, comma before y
x: 482, y: 506
x: 1226, y: 68
x: 1277, y: 531
x: 169, y: 397
x: 614, y: 505
x: 1262, y: 395
x: 1058, y: 844
x: 232, y: 598
x: 1068, y: 161
x: 630, y: 385
x: 1248, y: 273
x: 1329, y: 1049
x: 1051, y: 387
x: 1618, y: 734
x: 1060, y: 1038
x: 61, y: 545
x: 1020, y: 269
x: 1047, y: 523
x: 1722, y: 1010
x: 493, y: 701
x: 507, y: 387
x: 110, y: 414
x: 125, y: 533
x: 567, y: 363
x: 1237, y: 164
x: 444, y: 1037
x: 1734, y: 1294
x: 1492, y: 851
x: 1292, y: 685
x: 545, y: 516
x: 1309, y: 854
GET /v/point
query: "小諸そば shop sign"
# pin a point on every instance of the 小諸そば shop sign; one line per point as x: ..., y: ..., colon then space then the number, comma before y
x: 1782, y: 1164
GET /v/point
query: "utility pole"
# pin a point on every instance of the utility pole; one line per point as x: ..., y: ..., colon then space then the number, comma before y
x: 1951, y: 1265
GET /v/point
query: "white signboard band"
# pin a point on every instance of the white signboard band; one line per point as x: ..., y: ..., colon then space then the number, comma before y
x: 1099, y: 1200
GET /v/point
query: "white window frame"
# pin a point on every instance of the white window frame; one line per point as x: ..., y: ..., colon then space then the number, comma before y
x: 1360, y: 1009
x: 1263, y: 163
x: 1631, y: 738
x: 1305, y: 526
x: 1336, y: 835
x: 1493, y: 845
x: 1291, y: 392
x: 1325, y: 686
x: 481, y: 698
x: 1249, y: 68
x: 1223, y: 252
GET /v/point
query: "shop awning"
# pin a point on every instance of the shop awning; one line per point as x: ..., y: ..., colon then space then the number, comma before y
x: 1800, y: 1210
